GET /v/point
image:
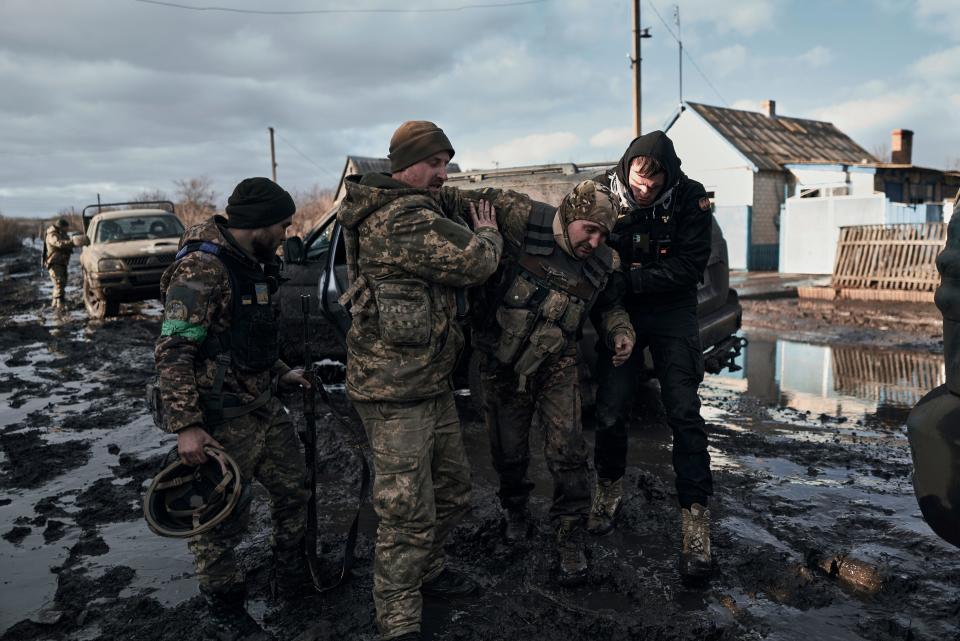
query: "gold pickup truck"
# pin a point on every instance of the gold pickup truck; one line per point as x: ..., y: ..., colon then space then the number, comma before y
x: 129, y: 250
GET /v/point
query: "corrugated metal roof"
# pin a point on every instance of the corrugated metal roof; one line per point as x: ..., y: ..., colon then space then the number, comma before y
x: 770, y: 143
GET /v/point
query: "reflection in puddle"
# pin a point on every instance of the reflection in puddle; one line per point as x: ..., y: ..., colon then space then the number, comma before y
x: 835, y: 380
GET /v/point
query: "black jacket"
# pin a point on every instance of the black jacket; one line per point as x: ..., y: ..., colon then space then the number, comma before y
x: 663, y: 293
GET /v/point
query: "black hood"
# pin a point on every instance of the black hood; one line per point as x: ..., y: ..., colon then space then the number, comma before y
x: 655, y: 144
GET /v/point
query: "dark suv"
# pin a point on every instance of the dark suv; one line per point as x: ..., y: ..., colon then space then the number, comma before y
x: 317, y: 266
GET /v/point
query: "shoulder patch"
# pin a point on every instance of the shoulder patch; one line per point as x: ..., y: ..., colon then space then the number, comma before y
x: 704, y: 204
x: 175, y: 310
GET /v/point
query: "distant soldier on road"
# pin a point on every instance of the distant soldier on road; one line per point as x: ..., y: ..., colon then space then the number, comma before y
x: 57, y: 249
x: 556, y: 267
x: 663, y: 235
x: 218, y: 364
x: 410, y: 253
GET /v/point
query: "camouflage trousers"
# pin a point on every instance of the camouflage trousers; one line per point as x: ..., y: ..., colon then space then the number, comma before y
x: 265, y: 447
x: 421, y: 489
x: 552, y: 393
x: 58, y: 274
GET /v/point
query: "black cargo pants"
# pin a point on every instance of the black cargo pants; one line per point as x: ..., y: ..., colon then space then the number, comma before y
x: 678, y: 364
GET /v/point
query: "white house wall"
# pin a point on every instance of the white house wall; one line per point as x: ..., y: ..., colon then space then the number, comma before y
x: 810, y: 227
x: 708, y: 158
x: 860, y: 182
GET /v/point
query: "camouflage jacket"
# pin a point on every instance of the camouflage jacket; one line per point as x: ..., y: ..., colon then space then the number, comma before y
x: 607, y: 309
x: 197, y: 297
x: 58, y: 246
x: 413, y: 251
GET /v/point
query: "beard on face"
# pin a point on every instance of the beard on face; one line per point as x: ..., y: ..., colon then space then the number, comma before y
x: 264, y: 247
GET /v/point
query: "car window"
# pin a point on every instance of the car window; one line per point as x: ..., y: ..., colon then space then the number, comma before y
x: 145, y: 227
x: 320, y: 244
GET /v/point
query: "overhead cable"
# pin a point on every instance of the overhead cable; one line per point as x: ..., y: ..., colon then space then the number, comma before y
x: 686, y: 53
x: 303, y: 12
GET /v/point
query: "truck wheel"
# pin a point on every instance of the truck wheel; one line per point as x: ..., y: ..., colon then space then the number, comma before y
x: 98, y: 306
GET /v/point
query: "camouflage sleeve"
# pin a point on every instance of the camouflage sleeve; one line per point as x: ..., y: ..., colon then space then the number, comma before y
x: 513, y: 208
x: 197, y: 294
x: 610, y: 318
x: 53, y: 240
x: 441, y: 250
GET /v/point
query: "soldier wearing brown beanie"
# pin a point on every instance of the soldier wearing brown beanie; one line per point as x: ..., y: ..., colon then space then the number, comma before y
x: 410, y: 254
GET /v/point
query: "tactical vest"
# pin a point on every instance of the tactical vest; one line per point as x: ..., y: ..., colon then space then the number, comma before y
x: 645, y: 236
x: 543, y: 305
x: 252, y: 340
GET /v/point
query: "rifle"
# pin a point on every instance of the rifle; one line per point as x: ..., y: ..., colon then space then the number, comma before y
x: 309, y: 438
x: 310, y: 445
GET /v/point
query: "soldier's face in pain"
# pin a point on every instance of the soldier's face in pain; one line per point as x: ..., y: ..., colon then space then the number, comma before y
x: 429, y: 173
x: 585, y: 236
x: 267, y: 240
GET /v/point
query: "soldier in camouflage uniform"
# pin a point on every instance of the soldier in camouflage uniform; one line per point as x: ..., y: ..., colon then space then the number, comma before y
x: 409, y: 254
x: 58, y: 248
x: 218, y: 365
x: 555, y: 269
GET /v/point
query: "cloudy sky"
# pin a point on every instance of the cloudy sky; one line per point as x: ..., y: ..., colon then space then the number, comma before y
x: 120, y: 96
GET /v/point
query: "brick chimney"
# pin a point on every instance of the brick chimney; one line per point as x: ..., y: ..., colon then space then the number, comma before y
x: 902, y: 147
x: 769, y: 107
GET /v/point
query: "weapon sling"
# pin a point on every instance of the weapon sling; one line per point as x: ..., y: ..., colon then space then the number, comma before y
x: 310, y: 452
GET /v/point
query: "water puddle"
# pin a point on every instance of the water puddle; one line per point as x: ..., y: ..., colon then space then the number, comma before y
x: 826, y: 382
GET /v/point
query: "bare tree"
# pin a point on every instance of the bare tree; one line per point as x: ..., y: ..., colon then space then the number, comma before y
x: 150, y: 195
x: 312, y: 204
x: 881, y: 151
x: 196, y: 199
x: 73, y: 216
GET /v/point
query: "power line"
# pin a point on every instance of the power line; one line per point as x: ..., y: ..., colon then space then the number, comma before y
x: 265, y: 12
x: 305, y: 156
x: 686, y: 53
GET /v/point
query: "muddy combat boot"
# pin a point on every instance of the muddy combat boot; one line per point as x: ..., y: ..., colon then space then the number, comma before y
x: 516, y: 524
x: 572, y: 562
x: 695, y: 561
x: 449, y: 584
x: 607, y: 501
x: 228, y: 619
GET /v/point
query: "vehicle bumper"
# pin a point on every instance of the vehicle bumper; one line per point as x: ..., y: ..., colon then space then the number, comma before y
x: 128, y: 287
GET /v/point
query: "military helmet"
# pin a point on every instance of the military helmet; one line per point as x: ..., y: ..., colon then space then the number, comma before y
x: 185, y: 500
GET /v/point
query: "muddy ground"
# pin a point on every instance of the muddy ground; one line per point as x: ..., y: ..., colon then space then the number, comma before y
x: 817, y: 534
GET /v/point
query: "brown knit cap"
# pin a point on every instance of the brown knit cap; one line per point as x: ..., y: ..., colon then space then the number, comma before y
x: 589, y: 201
x: 415, y: 140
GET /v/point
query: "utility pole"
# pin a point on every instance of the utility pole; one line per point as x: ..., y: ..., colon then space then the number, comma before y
x: 676, y: 14
x: 638, y: 33
x: 273, y: 155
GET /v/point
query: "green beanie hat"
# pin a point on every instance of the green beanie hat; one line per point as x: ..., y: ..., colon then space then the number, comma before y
x: 415, y: 140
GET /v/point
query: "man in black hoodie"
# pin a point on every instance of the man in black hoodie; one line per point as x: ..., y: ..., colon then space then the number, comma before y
x: 663, y: 236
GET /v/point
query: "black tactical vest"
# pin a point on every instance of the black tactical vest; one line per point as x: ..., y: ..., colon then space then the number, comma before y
x: 253, y: 336
x: 646, y: 235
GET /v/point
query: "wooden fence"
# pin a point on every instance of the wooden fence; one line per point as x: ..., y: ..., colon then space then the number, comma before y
x: 885, y: 262
x: 895, y: 377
